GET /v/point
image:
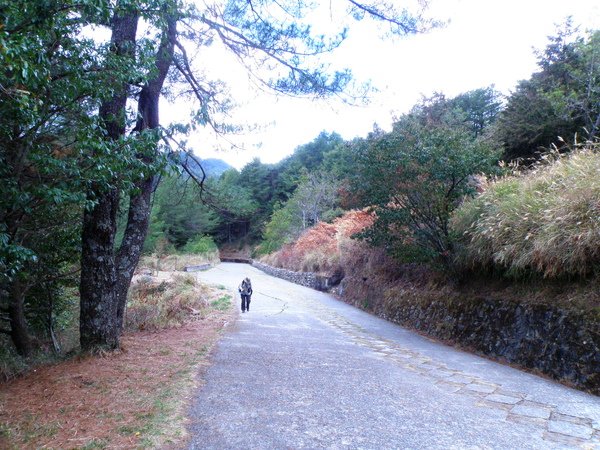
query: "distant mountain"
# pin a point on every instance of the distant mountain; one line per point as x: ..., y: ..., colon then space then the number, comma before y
x: 213, y: 167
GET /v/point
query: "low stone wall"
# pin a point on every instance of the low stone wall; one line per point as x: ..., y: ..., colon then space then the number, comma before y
x: 197, y: 268
x: 307, y: 279
x: 559, y: 343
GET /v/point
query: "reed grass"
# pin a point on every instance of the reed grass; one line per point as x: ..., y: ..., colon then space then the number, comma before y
x: 543, y: 221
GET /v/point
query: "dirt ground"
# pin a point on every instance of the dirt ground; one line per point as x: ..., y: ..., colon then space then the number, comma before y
x: 136, y: 397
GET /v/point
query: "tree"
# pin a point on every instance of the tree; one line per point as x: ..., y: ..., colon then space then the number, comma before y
x: 179, y: 208
x: 561, y: 100
x: 414, y: 177
x: 235, y: 205
x: 48, y: 93
x: 315, y: 195
x: 480, y: 107
x: 105, y: 272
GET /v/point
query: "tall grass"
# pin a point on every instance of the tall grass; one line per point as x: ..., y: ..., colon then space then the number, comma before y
x: 155, y: 305
x: 544, y: 221
x: 176, y: 262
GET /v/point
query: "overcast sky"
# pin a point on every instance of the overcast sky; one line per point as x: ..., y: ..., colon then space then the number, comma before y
x: 486, y: 42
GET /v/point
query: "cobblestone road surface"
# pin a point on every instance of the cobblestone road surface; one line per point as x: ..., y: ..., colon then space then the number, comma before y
x: 303, y: 370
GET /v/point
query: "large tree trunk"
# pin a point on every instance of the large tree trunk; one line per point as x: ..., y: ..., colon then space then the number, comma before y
x: 19, y: 331
x: 132, y: 244
x: 99, y: 327
x: 140, y: 204
x: 107, y: 277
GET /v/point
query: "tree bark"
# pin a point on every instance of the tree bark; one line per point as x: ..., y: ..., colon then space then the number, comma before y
x: 140, y: 204
x: 19, y: 331
x: 132, y: 245
x: 99, y: 327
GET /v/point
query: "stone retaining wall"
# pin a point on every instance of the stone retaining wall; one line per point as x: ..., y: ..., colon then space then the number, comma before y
x: 308, y: 279
x: 564, y: 345
x: 197, y: 268
x: 561, y: 343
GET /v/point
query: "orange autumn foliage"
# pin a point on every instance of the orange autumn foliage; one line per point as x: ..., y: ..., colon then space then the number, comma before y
x: 320, y: 248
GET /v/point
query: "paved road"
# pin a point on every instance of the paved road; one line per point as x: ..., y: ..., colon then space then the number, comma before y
x: 303, y: 370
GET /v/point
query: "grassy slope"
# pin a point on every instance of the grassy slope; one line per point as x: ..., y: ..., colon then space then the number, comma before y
x: 542, y: 222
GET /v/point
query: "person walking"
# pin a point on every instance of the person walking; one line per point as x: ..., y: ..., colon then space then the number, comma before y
x: 245, y: 290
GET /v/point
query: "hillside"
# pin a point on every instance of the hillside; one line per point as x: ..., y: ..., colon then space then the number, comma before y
x: 212, y: 167
x: 323, y: 248
x: 500, y: 299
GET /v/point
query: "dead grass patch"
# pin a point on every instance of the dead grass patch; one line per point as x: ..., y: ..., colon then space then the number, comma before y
x: 132, y: 398
x: 166, y: 263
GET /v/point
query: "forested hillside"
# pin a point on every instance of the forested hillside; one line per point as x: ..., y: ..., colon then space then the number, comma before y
x: 86, y: 153
x: 414, y: 177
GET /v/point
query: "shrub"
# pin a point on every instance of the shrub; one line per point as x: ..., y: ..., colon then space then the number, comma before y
x: 280, y: 229
x: 320, y: 248
x: 200, y: 245
x: 544, y: 221
x: 414, y: 177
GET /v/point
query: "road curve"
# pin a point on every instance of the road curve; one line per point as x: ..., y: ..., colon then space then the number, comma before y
x: 303, y: 370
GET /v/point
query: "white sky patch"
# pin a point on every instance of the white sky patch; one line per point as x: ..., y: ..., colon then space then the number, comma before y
x: 486, y: 42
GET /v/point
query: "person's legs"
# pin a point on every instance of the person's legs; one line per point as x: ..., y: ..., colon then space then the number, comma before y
x: 243, y: 303
x: 248, y: 303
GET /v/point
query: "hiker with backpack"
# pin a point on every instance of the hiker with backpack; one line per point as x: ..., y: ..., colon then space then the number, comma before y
x: 245, y: 290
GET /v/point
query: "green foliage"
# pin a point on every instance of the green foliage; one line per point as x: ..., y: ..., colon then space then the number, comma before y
x: 179, y: 214
x: 235, y: 206
x: 281, y: 229
x: 223, y: 303
x: 416, y: 176
x: 314, y: 198
x: 200, y: 245
x: 545, y: 221
x: 480, y: 108
x: 561, y: 100
x: 69, y: 144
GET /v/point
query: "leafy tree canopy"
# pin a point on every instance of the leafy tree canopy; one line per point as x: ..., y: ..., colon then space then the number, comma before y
x: 415, y: 176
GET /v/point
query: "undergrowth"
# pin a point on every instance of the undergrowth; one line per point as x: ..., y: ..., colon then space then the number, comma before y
x: 321, y: 248
x: 171, y: 262
x: 163, y: 304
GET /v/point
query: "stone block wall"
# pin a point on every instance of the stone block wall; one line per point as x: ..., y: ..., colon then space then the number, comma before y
x: 559, y: 342
x: 308, y: 279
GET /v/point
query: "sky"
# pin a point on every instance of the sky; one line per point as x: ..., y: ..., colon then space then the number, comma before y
x: 486, y: 42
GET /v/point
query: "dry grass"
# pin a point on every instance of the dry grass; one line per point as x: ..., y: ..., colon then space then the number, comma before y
x: 133, y: 398
x: 154, y: 304
x: 545, y: 221
x: 154, y: 263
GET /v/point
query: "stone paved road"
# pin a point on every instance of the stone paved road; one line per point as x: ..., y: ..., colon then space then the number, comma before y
x: 303, y: 370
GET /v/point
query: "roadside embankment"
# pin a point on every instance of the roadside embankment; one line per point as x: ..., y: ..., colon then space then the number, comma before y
x: 550, y: 328
x: 308, y: 279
